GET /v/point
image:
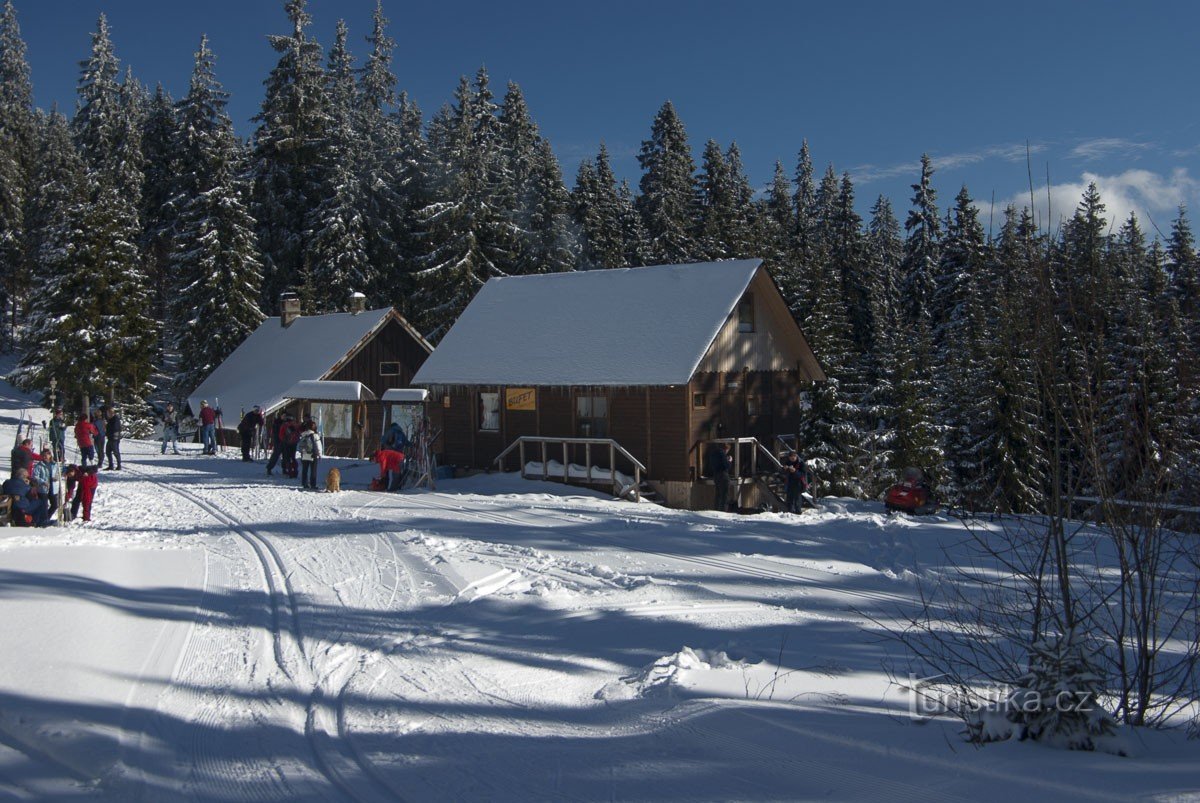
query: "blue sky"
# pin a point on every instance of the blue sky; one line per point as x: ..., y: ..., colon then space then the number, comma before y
x: 1100, y: 90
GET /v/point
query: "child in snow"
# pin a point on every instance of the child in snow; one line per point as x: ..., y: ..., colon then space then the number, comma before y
x: 70, y: 481
x: 86, y: 493
x: 310, y: 448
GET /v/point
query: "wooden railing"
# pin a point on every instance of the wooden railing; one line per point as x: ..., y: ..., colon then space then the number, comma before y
x: 590, y: 446
x: 757, y: 453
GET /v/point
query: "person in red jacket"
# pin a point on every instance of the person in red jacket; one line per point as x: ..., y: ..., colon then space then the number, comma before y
x: 208, y: 427
x: 85, y: 433
x: 85, y: 493
x: 391, y: 467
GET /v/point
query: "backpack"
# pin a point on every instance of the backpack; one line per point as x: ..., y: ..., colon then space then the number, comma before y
x: 289, y: 433
x: 309, y: 445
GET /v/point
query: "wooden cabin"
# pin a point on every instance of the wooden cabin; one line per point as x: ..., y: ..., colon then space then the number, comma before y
x: 377, y: 349
x: 632, y: 370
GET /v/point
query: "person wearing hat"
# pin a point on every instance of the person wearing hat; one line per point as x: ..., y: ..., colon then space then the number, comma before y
x: 58, y: 434
x: 251, y: 421
x: 208, y: 423
x: 795, y: 481
x: 113, y: 432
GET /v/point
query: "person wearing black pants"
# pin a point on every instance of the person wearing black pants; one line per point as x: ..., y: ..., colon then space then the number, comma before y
x: 719, y: 463
x: 251, y: 421
x: 310, y: 448
x: 112, y: 439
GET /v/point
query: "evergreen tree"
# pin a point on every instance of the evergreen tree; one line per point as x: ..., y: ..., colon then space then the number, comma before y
x: 159, y: 137
x: 922, y: 252
x: 668, y: 191
x: 1185, y: 284
x: 637, y: 240
x: 336, y: 261
x: 286, y: 164
x: 214, y: 261
x: 725, y: 204
x: 550, y: 246
x: 597, y: 213
x: 414, y: 168
x: 773, y: 233
x: 18, y: 161
x: 468, y: 234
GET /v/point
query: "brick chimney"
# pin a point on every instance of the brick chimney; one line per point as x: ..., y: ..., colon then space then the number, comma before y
x: 289, y: 308
x: 358, y: 303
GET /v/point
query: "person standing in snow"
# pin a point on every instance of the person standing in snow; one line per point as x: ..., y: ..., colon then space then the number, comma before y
x: 170, y: 429
x: 719, y: 462
x: 796, y: 481
x: 249, y: 425
x: 100, y: 424
x: 58, y: 435
x: 85, y: 437
x: 208, y: 424
x: 113, y: 433
x: 310, y: 448
x: 47, y: 476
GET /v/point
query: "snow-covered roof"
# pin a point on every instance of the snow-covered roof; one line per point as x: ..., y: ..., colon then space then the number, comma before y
x: 629, y: 326
x: 268, y: 363
x: 329, y: 390
x: 405, y: 395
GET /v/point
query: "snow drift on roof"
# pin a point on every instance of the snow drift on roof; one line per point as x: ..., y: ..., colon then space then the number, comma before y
x: 405, y: 395
x: 328, y: 390
x: 630, y: 326
x: 273, y: 359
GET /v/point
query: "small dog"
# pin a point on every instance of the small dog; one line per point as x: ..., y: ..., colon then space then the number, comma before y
x: 333, y: 481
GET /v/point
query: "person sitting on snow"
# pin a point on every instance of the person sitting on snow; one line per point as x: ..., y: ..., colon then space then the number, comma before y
x: 26, y: 501
x: 391, y: 468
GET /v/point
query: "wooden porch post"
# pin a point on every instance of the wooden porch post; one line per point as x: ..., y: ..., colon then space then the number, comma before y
x: 521, y: 450
x: 545, y: 467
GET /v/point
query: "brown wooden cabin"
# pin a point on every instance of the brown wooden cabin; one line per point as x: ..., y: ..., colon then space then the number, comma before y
x: 376, y: 348
x: 660, y: 360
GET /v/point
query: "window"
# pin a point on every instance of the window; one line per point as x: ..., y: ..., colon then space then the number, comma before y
x: 334, y: 420
x: 699, y: 401
x: 753, y: 405
x: 389, y: 369
x: 591, y: 412
x: 745, y: 314
x: 489, y: 412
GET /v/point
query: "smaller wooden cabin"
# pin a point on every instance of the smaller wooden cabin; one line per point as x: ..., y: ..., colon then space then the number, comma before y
x: 376, y: 349
x: 657, y: 361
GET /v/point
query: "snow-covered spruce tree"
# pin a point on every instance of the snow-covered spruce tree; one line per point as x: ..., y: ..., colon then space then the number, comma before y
x: 962, y: 340
x: 1016, y: 455
x: 637, y: 239
x: 336, y: 259
x: 550, y: 245
x: 1056, y: 702
x: 18, y: 157
x: 159, y: 137
x: 668, y: 191
x: 381, y: 192
x: 468, y: 234
x: 883, y: 251
x: 415, y: 168
x: 286, y: 161
x: 107, y: 129
x: 1184, y: 270
x: 214, y: 257
x: 922, y: 253
x: 596, y: 213
x: 725, y: 204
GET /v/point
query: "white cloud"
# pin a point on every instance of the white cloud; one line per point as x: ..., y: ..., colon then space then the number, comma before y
x: 1152, y: 196
x: 1009, y: 153
x: 1101, y: 147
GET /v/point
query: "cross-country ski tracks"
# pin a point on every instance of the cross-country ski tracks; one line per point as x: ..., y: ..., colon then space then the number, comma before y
x: 333, y: 756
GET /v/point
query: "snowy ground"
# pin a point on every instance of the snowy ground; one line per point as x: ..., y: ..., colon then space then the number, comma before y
x: 218, y: 635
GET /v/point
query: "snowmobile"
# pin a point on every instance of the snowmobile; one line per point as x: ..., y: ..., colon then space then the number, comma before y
x: 911, y: 495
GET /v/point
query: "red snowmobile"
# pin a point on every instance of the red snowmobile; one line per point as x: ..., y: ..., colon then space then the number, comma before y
x: 911, y: 495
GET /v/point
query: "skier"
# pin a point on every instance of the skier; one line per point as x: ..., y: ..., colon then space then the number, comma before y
x: 796, y: 481
x: 391, y: 468
x: 208, y: 422
x: 250, y: 423
x: 394, y: 438
x: 170, y: 429
x: 85, y: 435
x: 26, y: 501
x: 58, y: 435
x: 113, y: 432
x: 310, y: 447
x: 46, y: 475
x: 719, y: 462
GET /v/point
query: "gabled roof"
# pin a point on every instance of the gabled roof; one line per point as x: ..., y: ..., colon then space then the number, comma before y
x: 268, y: 363
x: 629, y: 326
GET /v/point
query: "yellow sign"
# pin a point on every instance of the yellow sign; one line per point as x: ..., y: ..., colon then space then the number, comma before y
x: 520, y: 399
